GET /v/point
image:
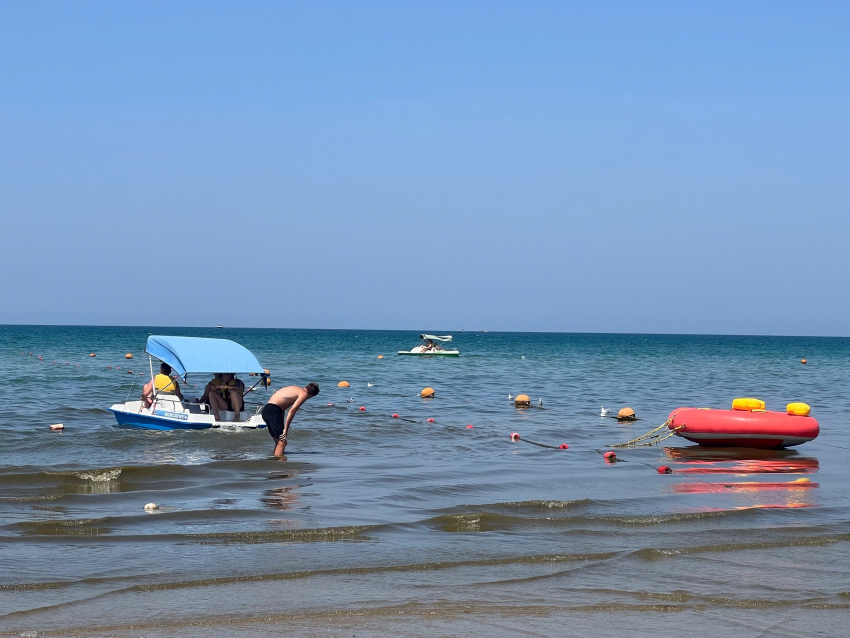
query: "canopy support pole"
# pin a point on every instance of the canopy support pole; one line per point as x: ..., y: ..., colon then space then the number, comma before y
x: 153, y: 385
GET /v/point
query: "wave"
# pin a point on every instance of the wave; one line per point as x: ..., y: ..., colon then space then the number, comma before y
x: 490, y: 521
x: 102, y: 529
x: 341, y: 571
x: 95, y: 476
x: 541, y: 505
x: 652, y: 553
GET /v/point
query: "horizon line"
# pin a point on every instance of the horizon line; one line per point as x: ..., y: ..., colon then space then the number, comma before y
x: 656, y: 334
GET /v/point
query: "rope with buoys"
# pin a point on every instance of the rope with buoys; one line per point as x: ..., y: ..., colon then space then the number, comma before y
x: 653, y: 437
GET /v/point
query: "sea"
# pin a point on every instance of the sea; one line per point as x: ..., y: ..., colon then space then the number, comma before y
x: 434, y: 522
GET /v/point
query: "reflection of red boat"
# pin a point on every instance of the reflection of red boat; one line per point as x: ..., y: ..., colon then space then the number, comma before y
x: 803, y: 466
x: 742, y: 428
x: 799, y: 484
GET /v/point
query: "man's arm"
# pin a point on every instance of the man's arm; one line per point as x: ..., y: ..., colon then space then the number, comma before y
x: 292, y: 410
x: 177, y: 390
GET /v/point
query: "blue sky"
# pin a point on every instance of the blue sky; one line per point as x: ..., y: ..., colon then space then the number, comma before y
x: 566, y: 166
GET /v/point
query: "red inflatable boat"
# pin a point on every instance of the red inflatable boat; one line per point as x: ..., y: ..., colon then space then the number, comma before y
x: 757, y: 428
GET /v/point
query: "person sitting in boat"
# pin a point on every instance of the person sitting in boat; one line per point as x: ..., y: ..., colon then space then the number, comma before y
x: 429, y: 346
x: 163, y: 383
x: 224, y: 392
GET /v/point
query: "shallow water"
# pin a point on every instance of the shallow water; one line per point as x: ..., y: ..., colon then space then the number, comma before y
x: 375, y: 526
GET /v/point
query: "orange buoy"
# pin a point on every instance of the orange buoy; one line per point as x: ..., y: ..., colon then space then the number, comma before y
x: 522, y: 401
x: 92, y: 354
x: 803, y: 361
x: 343, y: 384
x: 128, y: 356
x: 427, y: 393
x: 380, y: 356
x: 626, y: 414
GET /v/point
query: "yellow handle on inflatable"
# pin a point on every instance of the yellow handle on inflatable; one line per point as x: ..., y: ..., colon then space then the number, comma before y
x: 748, y: 404
x: 798, y: 409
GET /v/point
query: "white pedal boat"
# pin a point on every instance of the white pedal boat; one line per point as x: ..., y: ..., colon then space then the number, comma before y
x: 192, y: 355
x: 431, y: 347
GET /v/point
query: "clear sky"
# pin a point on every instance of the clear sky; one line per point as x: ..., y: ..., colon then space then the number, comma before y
x: 566, y: 166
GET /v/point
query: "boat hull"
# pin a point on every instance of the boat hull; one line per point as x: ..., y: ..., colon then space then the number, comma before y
x: 742, y: 428
x: 438, y: 353
x: 174, y: 416
x: 152, y: 422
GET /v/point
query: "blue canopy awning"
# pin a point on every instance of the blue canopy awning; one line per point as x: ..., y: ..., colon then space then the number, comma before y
x: 195, y: 354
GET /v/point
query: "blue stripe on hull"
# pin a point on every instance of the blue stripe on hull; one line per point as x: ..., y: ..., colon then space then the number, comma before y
x: 135, y: 420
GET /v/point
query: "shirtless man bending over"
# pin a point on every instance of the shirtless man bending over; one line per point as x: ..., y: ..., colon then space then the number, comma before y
x: 291, y: 397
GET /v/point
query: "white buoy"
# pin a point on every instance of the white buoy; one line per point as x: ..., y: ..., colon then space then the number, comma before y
x: 604, y: 412
x: 151, y: 506
x: 369, y: 385
x: 57, y: 427
x: 540, y: 402
x: 510, y: 398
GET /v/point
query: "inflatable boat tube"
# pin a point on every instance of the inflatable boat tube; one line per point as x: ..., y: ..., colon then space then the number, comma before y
x: 739, y: 428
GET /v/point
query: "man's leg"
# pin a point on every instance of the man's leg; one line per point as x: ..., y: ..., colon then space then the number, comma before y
x: 280, y: 446
x: 273, y: 418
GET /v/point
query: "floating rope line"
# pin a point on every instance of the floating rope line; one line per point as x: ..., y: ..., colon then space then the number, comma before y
x: 551, y: 447
x: 652, y: 437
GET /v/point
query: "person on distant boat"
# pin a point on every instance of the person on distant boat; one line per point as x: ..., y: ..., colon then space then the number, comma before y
x: 224, y: 392
x: 163, y: 383
x: 291, y: 397
x: 429, y: 346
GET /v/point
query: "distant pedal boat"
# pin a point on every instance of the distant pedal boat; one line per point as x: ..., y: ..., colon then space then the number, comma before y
x: 188, y: 355
x: 431, y: 347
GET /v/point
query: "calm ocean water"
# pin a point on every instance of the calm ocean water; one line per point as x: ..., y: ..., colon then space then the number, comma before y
x: 380, y: 526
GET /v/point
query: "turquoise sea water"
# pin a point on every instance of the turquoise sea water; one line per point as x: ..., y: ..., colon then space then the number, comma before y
x: 379, y: 526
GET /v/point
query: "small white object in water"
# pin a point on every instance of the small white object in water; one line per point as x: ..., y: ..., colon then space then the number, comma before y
x: 510, y: 398
x: 604, y: 412
x: 540, y: 402
x: 523, y: 356
x: 151, y: 506
x: 369, y: 385
x: 57, y: 427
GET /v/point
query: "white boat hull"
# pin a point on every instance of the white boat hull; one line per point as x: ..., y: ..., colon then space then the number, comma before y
x: 431, y: 353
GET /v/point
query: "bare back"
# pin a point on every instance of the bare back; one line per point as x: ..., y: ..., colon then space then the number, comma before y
x: 285, y: 397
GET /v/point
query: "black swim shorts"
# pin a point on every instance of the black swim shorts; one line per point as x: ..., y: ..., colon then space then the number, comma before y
x: 273, y: 416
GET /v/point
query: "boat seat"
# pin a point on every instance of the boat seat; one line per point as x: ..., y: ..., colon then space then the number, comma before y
x: 227, y: 415
x: 168, y: 402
